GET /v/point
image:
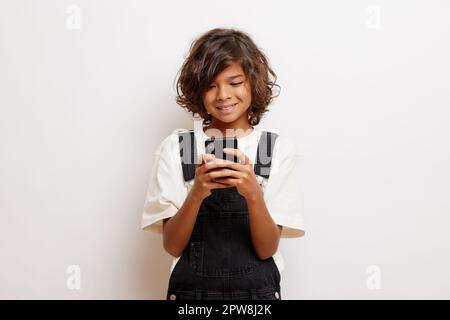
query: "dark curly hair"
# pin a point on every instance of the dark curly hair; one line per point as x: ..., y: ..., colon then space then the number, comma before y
x: 211, y: 53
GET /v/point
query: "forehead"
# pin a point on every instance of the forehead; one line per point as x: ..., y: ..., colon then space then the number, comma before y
x: 231, y: 71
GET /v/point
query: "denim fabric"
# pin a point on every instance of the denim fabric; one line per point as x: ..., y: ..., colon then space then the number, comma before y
x: 219, y: 262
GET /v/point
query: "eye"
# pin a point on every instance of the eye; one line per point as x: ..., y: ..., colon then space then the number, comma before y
x: 236, y: 84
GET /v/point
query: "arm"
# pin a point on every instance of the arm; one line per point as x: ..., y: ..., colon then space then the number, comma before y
x: 264, y: 232
x: 177, y: 230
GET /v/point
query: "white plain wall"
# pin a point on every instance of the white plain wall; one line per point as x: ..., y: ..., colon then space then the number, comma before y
x: 365, y: 89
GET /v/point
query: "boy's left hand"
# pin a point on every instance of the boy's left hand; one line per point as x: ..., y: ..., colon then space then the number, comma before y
x: 242, y: 177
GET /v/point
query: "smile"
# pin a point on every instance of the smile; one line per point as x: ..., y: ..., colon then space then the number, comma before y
x: 226, y: 109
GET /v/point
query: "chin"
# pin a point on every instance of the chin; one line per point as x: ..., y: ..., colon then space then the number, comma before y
x: 226, y: 119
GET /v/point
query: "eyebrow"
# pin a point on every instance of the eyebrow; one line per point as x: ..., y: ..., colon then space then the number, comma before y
x: 235, y: 76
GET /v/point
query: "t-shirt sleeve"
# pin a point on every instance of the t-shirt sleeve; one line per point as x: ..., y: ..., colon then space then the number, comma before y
x: 282, y: 194
x: 166, y: 191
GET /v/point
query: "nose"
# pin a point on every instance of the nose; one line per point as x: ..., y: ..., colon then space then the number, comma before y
x: 222, y: 93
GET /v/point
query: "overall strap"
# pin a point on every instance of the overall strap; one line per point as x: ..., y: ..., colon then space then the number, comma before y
x: 264, y: 154
x: 188, y: 154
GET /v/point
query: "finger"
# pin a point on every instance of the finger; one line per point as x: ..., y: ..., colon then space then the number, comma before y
x: 209, y: 157
x: 201, y: 161
x: 218, y: 185
x: 216, y: 163
x: 243, y: 159
x: 219, y: 164
x: 224, y: 173
x: 227, y: 181
x: 205, y: 158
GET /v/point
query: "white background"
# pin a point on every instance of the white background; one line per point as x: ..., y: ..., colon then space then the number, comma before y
x: 365, y: 95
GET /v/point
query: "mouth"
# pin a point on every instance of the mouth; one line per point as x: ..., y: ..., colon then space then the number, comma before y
x: 226, y: 109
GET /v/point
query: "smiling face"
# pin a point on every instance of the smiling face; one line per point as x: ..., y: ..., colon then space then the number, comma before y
x: 228, y: 99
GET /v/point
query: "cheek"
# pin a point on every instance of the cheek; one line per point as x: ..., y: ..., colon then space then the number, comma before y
x: 208, y: 100
x: 244, y: 94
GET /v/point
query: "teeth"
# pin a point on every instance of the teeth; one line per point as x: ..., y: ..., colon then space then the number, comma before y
x: 227, y: 107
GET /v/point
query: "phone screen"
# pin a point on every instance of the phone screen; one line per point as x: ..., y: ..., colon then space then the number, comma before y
x: 215, y: 146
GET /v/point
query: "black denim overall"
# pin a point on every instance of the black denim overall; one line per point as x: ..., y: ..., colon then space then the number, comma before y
x: 219, y: 261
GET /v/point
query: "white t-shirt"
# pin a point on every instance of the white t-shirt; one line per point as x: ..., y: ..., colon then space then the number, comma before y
x: 167, y: 189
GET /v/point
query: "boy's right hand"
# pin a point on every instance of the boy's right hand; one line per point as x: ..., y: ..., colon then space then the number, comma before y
x: 203, y: 184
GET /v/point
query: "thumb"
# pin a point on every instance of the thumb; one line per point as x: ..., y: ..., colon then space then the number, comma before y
x: 207, y: 158
x: 202, y: 160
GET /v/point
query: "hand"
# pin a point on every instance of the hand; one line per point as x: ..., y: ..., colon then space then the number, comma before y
x: 242, y: 177
x: 203, y: 182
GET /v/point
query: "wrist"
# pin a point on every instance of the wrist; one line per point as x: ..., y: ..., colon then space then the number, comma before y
x: 195, y: 196
x: 255, y: 197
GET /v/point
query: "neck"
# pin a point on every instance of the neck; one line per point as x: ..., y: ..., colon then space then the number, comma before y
x: 228, y: 130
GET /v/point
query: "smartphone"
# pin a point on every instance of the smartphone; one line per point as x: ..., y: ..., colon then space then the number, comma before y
x: 215, y: 146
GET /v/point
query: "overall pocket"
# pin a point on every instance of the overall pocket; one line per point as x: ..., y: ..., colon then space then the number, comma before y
x: 228, y: 250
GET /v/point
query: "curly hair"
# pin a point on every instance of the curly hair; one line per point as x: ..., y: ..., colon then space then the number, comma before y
x: 211, y: 53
